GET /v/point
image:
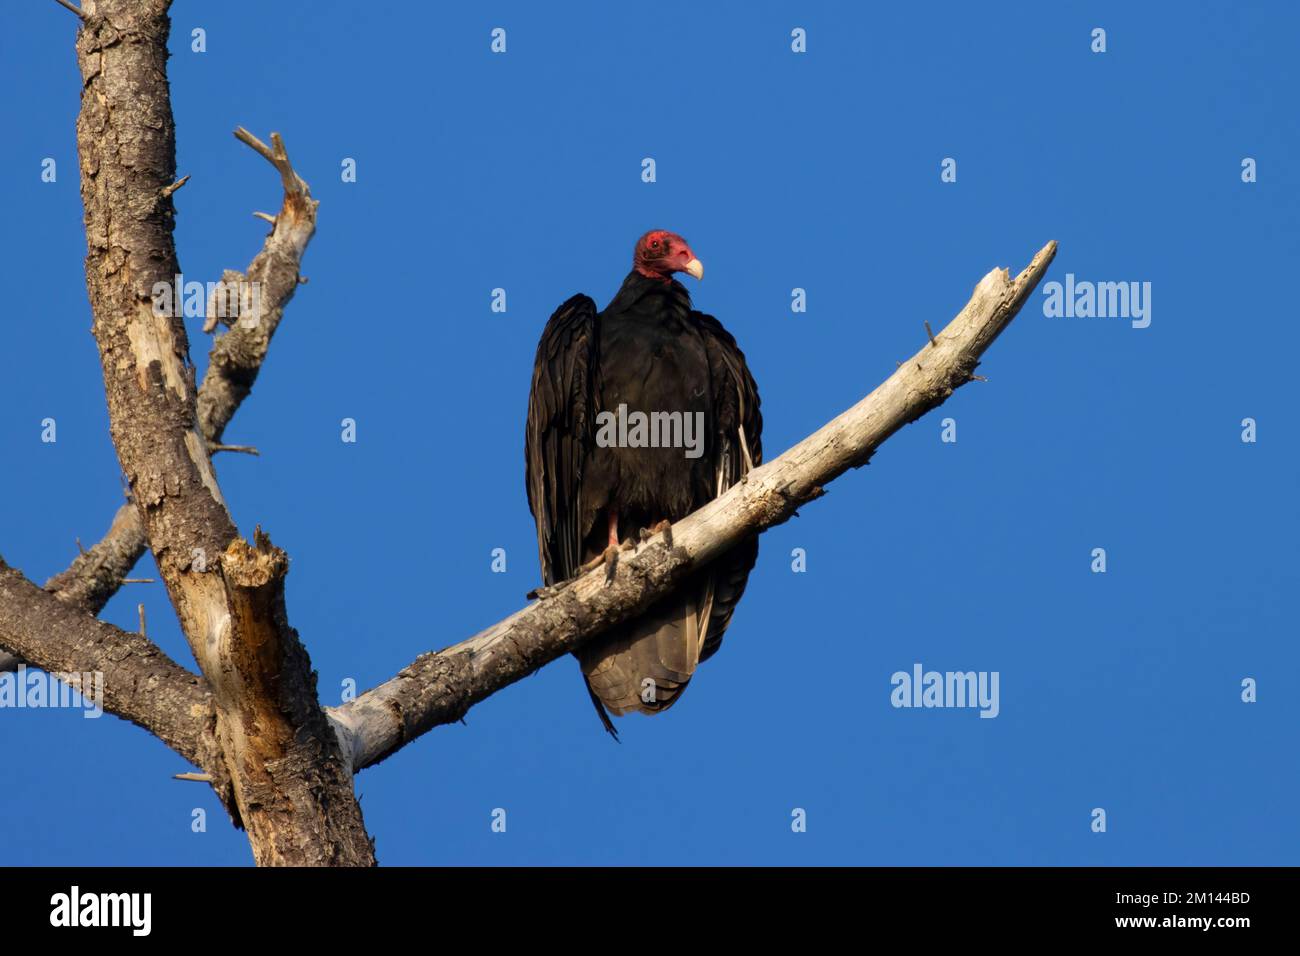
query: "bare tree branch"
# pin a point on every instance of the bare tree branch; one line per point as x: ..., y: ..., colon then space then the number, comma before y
x: 69, y: 5
x: 237, y: 356
x: 141, y: 683
x: 95, y: 575
x: 294, y: 794
x: 439, y: 688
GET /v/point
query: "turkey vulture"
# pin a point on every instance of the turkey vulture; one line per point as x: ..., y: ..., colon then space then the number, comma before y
x: 637, y: 416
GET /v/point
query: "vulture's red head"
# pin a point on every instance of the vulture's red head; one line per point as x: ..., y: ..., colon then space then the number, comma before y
x: 660, y: 253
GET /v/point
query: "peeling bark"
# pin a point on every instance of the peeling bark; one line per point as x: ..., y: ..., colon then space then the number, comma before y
x: 266, y: 692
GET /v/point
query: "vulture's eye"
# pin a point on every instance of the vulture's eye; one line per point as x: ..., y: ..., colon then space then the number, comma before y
x: 654, y: 243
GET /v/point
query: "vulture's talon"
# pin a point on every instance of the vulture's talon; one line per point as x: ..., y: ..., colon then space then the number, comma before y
x: 666, y: 527
x: 544, y: 591
x: 610, y: 557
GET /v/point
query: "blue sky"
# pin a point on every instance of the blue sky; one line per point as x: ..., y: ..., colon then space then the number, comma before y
x: 821, y: 171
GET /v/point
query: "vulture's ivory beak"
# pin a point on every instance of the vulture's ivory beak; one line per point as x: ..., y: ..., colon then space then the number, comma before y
x: 695, y: 268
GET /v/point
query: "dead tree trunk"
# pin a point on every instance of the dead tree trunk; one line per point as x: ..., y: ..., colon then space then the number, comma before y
x: 290, y: 786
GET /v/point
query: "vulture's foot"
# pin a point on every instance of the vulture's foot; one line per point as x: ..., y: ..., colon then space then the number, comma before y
x: 665, y: 526
x: 608, y: 557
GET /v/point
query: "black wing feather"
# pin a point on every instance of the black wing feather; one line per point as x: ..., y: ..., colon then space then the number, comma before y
x: 560, y: 430
x: 736, y: 402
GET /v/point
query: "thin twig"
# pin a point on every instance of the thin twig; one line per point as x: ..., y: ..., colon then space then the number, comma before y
x: 196, y: 777
x: 244, y: 449
x: 244, y: 136
x: 277, y: 156
x: 68, y: 5
x: 168, y: 190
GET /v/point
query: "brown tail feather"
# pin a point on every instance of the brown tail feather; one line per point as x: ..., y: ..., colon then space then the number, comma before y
x: 666, y: 644
x: 646, y: 664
